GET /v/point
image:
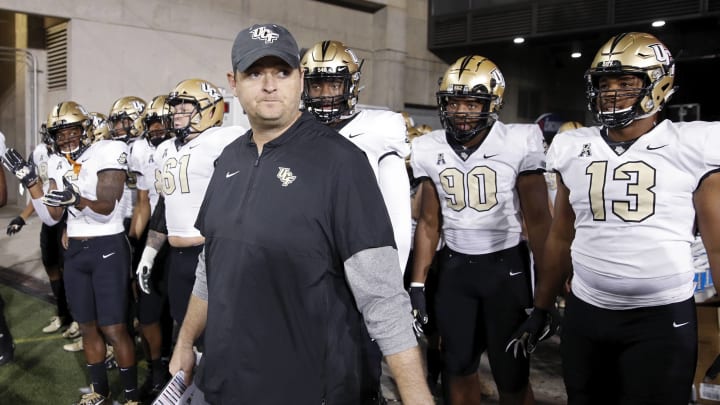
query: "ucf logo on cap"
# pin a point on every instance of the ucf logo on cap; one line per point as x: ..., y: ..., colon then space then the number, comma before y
x: 264, y: 34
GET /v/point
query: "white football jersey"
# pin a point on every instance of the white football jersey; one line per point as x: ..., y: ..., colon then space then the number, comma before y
x: 40, y: 158
x: 102, y: 155
x: 378, y: 133
x: 634, y: 211
x: 183, y: 175
x: 141, y: 163
x: 3, y: 148
x: 478, y: 198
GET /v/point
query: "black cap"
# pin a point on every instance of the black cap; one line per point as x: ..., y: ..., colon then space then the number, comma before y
x: 262, y: 40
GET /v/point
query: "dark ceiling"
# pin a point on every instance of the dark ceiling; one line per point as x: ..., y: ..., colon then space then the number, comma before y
x: 552, y: 29
x: 692, y: 26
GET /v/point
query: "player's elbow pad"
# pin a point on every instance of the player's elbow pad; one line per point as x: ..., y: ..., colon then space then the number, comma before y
x: 43, y: 212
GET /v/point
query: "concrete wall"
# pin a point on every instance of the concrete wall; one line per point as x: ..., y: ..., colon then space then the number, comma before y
x: 144, y: 47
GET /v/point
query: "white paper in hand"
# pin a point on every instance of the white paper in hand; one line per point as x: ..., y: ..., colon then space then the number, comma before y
x: 175, y: 392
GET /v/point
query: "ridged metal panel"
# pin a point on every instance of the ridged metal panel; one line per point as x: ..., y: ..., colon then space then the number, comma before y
x: 56, y: 39
x: 570, y: 16
x: 500, y: 23
x: 449, y: 31
x: 629, y: 11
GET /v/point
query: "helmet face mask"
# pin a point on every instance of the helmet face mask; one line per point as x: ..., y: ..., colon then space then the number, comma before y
x: 69, y: 128
x: 195, y: 105
x: 470, y: 97
x: 123, y: 120
x: 332, y: 77
x: 630, y: 78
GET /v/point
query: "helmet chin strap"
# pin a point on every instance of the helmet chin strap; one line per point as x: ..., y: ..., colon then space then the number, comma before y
x: 76, y: 165
x: 181, y: 135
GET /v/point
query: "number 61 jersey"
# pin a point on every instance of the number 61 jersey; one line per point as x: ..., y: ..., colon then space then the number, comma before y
x: 477, y: 191
x: 634, y: 211
x: 183, y: 173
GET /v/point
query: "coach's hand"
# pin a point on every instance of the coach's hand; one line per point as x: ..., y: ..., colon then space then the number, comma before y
x: 15, y: 225
x: 540, y: 325
x: 144, y: 269
x: 22, y: 169
x: 419, y: 310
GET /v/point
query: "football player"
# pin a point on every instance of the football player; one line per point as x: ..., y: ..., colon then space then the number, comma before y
x: 124, y: 125
x: 86, y: 181
x: 480, y: 179
x: 629, y: 193
x: 50, y: 247
x: 184, y: 166
x: 332, y: 83
x: 155, y: 124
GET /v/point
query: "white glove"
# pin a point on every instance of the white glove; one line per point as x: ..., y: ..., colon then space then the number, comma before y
x: 144, y: 269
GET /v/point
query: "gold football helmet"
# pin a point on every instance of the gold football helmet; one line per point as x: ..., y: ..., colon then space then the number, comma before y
x: 569, y: 126
x: 333, y: 62
x: 64, y: 115
x: 207, y: 100
x: 101, y: 130
x: 470, y: 77
x: 126, y: 111
x: 632, y: 53
x: 158, y: 111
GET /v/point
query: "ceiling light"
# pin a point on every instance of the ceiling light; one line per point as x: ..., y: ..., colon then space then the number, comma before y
x: 519, y: 40
x: 575, y: 55
x: 658, y: 23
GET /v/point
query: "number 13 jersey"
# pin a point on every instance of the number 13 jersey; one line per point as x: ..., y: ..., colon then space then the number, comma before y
x: 634, y: 211
x: 477, y: 191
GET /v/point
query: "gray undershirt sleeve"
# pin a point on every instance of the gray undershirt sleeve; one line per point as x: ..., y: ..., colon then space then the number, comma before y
x: 376, y: 283
x: 200, y: 287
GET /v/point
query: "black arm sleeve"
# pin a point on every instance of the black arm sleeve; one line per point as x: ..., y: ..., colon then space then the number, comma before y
x: 157, y: 220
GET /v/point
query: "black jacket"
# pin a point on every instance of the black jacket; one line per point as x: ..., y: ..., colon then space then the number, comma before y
x: 282, y: 325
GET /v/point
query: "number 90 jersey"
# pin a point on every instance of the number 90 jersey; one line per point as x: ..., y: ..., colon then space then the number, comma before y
x: 478, y: 198
x: 634, y: 211
x: 182, y: 175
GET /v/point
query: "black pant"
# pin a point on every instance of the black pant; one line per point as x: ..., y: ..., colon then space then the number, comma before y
x: 635, y: 356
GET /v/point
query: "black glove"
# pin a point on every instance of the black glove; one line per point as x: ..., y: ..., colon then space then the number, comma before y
x: 67, y: 197
x: 540, y: 325
x: 419, y: 311
x: 22, y: 169
x: 15, y: 225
